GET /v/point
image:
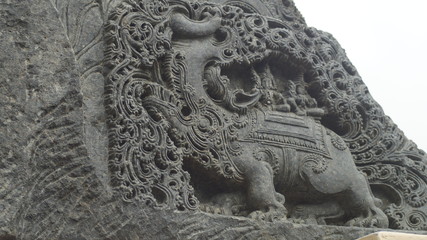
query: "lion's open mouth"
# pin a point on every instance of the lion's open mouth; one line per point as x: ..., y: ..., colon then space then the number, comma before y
x: 238, y: 86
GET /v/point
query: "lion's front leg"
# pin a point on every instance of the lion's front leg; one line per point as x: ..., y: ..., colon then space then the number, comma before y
x: 262, y: 199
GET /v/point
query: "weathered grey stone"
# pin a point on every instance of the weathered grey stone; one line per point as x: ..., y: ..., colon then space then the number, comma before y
x: 59, y: 161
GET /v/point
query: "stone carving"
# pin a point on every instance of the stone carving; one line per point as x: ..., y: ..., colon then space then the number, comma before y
x: 55, y: 180
x: 245, y: 100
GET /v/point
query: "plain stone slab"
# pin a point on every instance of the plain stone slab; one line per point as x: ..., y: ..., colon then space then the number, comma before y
x: 393, y: 236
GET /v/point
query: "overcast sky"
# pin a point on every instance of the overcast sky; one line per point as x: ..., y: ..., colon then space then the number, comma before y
x: 386, y: 40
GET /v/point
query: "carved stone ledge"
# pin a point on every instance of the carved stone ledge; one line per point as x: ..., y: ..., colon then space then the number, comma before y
x: 179, y: 225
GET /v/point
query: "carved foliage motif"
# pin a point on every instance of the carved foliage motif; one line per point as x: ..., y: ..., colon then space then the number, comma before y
x: 145, y: 162
x: 147, y: 91
x: 412, y: 195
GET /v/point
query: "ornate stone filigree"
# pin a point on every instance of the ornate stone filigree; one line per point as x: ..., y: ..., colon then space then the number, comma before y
x: 201, y: 86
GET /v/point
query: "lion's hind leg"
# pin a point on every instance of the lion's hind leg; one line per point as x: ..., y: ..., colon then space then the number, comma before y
x: 363, y: 204
x: 319, y: 213
x: 262, y: 198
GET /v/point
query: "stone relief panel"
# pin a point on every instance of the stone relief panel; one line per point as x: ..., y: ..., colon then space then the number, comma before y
x: 53, y: 164
x: 239, y: 108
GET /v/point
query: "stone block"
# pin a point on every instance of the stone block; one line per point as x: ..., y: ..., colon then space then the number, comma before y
x: 393, y: 236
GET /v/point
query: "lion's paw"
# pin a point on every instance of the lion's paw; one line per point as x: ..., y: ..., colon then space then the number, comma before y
x: 273, y: 214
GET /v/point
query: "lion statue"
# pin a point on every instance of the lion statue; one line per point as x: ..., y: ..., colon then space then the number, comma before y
x: 228, y: 96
